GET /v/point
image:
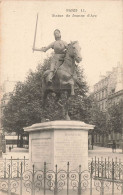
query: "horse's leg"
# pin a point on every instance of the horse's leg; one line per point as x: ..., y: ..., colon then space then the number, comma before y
x: 72, y: 89
x: 71, y: 82
x: 66, y: 106
x: 44, y: 98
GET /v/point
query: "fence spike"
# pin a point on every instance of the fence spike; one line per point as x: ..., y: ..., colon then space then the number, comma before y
x: 68, y: 178
x: 44, y: 178
x: 79, y: 184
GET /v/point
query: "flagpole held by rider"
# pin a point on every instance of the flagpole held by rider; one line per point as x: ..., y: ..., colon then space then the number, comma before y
x: 60, y: 48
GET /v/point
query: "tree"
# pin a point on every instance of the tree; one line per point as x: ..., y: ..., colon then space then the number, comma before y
x: 25, y: 105
x: 115, y: 117
x: 97, y: 118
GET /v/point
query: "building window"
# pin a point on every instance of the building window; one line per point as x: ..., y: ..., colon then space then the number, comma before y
x: 102, y: 105
x: 109, y: 137
x: 118, y: 136
x: 106, y: 93
x: 105, y: 104
x: 98, y: 96
x: 102, y: 94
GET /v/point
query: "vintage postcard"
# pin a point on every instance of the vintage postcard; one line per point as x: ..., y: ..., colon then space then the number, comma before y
x: 61, y: 97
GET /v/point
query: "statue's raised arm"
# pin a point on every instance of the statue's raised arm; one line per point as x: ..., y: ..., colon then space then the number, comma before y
x: 44, y: 49
x: 59, y: 48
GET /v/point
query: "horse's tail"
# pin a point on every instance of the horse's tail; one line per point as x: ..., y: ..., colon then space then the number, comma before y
x: 77, y: 81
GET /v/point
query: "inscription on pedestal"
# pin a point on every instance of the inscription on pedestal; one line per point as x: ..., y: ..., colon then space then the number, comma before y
x: 41, y: 150
x: 70, y: 146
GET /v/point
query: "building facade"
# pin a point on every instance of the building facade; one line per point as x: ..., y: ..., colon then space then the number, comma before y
x: 109, y: 91
x: 101, y: 92
x: 109, y: 88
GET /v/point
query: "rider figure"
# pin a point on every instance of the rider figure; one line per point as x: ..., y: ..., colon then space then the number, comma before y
x: 59, y: 47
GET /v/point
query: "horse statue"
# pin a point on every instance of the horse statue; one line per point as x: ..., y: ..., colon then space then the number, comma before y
x: 64, y: 78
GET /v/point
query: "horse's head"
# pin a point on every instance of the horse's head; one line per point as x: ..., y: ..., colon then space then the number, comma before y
x: 74, y: 51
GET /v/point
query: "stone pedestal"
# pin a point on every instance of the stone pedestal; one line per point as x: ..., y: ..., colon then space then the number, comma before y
x: 59, y: 142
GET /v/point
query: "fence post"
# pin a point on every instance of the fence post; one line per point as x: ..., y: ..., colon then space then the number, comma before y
x: 9, y: 183
x: 91, y: 176
x: 44, y: 178
x: 5, y: 169
x: 33, y: 183
x: 79, y: 184
x: 21, y: 178
x: 11, y: 166
x: 105, y: 168
x: 18, y: 167
x: 108, y: 166
x: 56, y: 187
x: 120, y: 172
x: 115, y: 167
x: 24, y: 163
x: 98, y: 167
x: 95, y: 166
x: 112, y: 177
x: 122, y: 188
x: 102, y: 181
x: 119, y: 167
x: 68, y: 178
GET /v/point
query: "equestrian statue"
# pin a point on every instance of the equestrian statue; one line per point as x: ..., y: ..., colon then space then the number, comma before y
x: 62, y: 75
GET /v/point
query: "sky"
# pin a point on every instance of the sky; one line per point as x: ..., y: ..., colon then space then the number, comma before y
x: 100, y: 36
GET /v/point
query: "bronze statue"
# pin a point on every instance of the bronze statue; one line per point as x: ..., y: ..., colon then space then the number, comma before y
x: 61, y: 76
x: 64, y: 78
x: 59, y: 48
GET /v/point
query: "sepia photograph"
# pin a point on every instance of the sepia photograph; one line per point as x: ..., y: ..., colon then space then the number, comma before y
x: 61, y: 97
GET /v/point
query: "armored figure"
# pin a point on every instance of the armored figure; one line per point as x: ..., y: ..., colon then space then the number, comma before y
x: 62, y: 70
x: 59, y: 48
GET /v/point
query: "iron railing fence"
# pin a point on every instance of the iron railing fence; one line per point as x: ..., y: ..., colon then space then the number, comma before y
x: 94, y: 181
x: 107, y: 168
x: 15, y: 166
